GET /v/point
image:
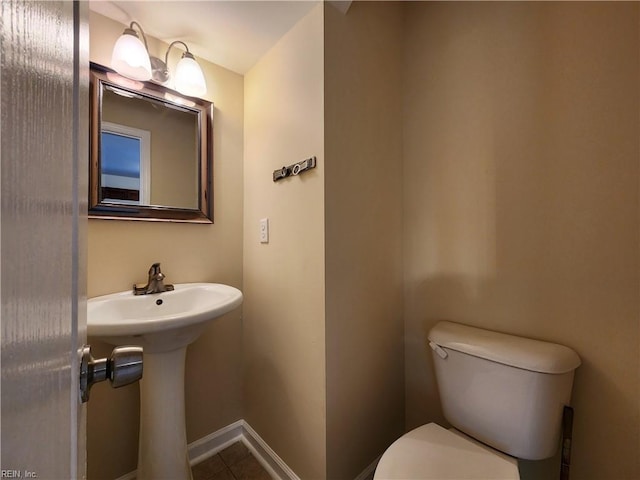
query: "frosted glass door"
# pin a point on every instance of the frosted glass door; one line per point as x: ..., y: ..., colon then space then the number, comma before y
x: 43, y: 155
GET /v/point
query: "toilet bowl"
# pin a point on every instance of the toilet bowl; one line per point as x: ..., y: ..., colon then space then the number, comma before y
x: 433, y: 452
x: 504, y: 395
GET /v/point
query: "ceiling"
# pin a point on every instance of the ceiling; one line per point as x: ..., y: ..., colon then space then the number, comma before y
x: 233, y: 34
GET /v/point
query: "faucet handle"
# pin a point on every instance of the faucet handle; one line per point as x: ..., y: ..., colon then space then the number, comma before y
x: 154, y: 269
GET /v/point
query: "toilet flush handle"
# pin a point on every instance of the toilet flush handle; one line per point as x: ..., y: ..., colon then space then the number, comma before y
x: 442, y: 353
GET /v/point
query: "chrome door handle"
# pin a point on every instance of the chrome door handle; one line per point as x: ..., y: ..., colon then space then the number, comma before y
x: 123, y: 367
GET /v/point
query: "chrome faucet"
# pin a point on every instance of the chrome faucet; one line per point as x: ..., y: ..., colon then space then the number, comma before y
x: 155, y: 283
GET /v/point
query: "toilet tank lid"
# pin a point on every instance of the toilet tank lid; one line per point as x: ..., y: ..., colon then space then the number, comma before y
x: 520, y: 352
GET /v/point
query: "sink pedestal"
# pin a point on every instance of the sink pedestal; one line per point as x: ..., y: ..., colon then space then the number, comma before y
x: 162, y: 450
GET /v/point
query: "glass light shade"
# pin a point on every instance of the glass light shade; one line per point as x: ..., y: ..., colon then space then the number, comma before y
x: 189, y: 78
x: 130, y: 58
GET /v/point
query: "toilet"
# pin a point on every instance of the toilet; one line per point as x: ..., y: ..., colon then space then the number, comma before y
x: 504, y: 397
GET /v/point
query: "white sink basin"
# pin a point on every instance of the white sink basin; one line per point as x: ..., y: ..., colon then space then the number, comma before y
x: 163, y: 324
x: 160, y: 321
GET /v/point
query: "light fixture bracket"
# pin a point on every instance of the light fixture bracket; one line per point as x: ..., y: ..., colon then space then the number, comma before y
x: 130, y: 31
x: 159, y: 71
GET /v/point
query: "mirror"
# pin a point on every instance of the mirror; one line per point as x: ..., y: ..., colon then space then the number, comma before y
x: 151, y: 151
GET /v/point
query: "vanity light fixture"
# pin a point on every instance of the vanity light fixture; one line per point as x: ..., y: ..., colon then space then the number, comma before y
x: 131, y: 59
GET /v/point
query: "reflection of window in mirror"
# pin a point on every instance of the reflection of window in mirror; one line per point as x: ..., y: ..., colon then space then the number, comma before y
x: 126, y: 164
x: 174, y: 145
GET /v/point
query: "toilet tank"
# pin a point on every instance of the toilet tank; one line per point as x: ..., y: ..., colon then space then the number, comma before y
x: 506, y: 391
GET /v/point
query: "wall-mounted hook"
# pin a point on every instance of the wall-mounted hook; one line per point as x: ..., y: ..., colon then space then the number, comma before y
x: 294, y: 169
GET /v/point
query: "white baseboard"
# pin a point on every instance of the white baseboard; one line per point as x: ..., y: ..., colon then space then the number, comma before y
x: 239, y: 431
x: 368, y: 472
x: 269, y: 459
x: 128, y: 476
x: 213, y: 443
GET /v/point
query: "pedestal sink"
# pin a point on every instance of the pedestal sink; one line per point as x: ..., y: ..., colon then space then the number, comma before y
x: 163, y: 324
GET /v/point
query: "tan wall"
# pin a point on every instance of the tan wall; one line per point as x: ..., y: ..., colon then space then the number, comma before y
x: 283, y: 317
x: 120, y: 253
x: 363, y: 244
x: 521, y: 197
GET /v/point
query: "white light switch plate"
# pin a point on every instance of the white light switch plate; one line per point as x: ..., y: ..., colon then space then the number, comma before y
x: 264, y: 230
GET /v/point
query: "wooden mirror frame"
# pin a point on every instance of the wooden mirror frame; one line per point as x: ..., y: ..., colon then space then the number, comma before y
x: 101, y: 76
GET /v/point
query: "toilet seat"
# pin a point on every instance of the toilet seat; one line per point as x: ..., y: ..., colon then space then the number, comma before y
x: 433, y: 452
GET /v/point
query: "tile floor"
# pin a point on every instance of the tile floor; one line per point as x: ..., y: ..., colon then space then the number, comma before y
x: 233, y: 463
